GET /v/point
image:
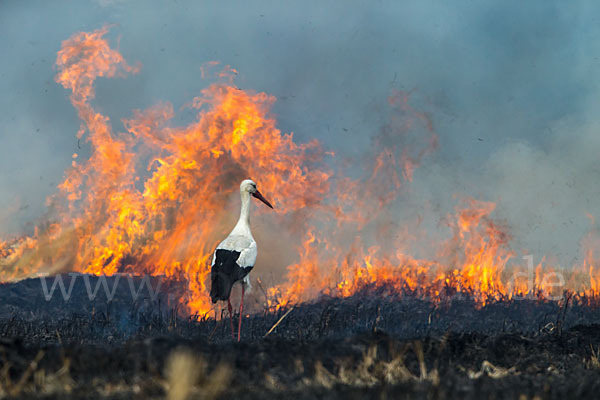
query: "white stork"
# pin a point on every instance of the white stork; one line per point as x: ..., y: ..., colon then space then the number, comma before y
x: 235, y: 256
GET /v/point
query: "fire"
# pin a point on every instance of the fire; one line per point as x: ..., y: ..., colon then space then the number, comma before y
x: 153, y: 199
x: 150, y: 200
x: 482, y: 262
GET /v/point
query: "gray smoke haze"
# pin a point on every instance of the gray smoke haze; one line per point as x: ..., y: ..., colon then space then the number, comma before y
x: 511, y: 88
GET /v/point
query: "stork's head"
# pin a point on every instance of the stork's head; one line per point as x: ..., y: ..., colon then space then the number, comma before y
x: 249, y: 186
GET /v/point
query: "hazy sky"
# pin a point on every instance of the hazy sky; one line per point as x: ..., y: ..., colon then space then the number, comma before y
x: 511, y: 88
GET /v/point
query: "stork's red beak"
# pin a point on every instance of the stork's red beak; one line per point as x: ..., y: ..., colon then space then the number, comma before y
x: 261, y: 198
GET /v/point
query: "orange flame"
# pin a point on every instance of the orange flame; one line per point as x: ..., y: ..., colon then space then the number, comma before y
x: 154, y: 199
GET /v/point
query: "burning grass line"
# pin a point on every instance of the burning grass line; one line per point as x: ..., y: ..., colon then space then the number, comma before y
x: 278, y: 322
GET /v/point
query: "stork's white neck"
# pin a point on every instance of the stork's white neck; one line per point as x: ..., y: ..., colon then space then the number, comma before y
x: 243, y: 225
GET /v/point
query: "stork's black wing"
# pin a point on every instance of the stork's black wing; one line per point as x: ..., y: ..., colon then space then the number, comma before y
x: 225, y: 272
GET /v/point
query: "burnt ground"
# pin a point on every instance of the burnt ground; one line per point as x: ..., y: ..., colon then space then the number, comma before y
x: 376, y: 344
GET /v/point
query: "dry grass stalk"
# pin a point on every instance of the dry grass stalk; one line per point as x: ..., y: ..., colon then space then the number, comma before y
x: 594, y: 361
x: 217, y: 382
x: 186, y: 375
x: 182, y: 372
x: 371, y: 371
x: 35, y: 380
x: 263, y: 291
x: 278, y: 322
x: 492, y: 371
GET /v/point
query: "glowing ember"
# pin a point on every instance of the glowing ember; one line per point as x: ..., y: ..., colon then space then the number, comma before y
x: 153, y: 200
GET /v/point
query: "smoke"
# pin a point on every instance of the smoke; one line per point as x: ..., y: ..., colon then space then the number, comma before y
x: 509, y: 88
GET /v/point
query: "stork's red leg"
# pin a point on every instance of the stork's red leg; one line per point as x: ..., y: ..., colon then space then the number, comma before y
x: 230, y: 317
x: 241, y: 313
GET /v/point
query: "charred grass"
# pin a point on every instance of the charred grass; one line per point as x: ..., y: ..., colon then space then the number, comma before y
x: 366, y: 346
